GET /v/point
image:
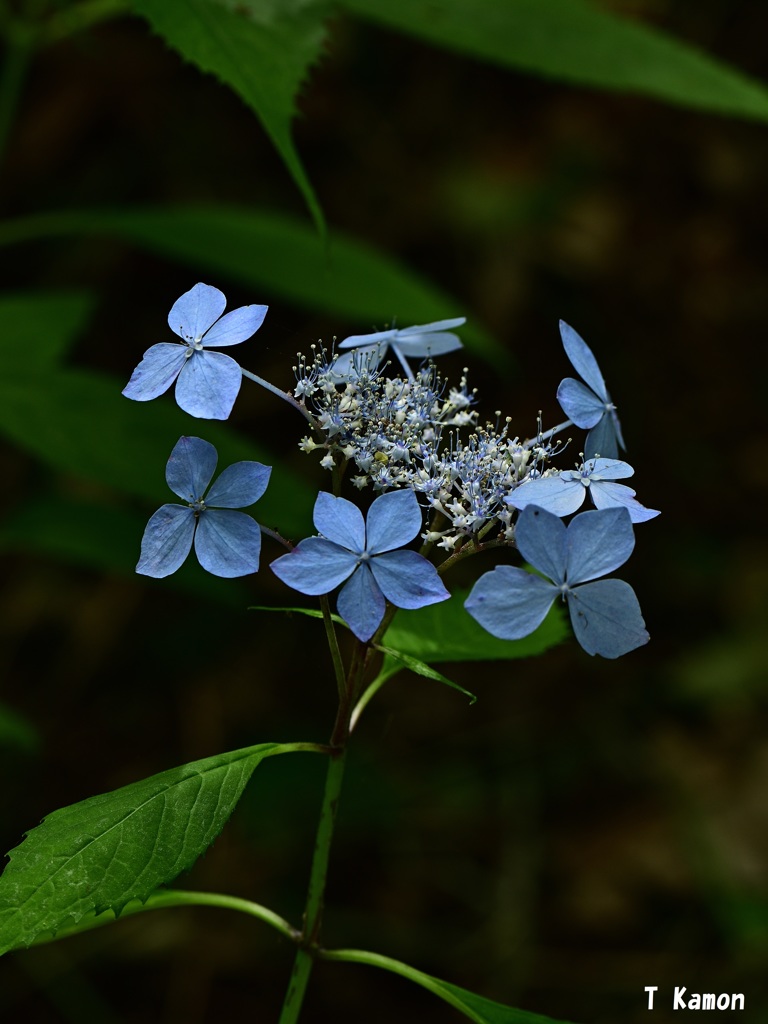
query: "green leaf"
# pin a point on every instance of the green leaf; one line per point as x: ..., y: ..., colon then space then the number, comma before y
x: 312, y: 613
x: 278, y: 254
x: 422, y: 669
x: 79, y: 422
x: 101, y: 853
x: 476, y: 1008
x: 445, y: 632
x: 577, y: 42
x: 39, y: 327
x: 261, y: 49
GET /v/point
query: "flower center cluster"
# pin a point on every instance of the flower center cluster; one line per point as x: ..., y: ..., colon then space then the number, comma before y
x: 402, y: 433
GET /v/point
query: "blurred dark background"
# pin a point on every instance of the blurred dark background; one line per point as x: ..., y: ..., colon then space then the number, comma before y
x: 587, y: 828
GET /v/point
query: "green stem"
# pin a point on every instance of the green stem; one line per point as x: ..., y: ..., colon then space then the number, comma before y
x: 333, y: 644
x: 163, y: 899
x: 305, y: 954
x: 308, y: 942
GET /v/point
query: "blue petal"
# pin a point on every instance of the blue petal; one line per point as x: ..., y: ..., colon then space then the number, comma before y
x: 240, y: 485
x: 509, y: 602
x: 407, y: 579
x: 340, y: 521
x: 606, y: 618
x: 436, y: 325
x: 361, y: 604
x: 607, y: 494
x: 236, y: 326
x: 227, y: 543
x: 196, y: 311
x: 368, y: 340
x: 394, y: 519
x: 579, y: 403
x: 597, y: 543
x: 582, y: 360
x: 552, y: 493
x: 540, y: 539
x: 156, y: 371
x: 433, y: 344
x: 167, y: 541
x: 208, y: 385
x: 608, y: 469
x: 604, y: 437
x: 315, y: 566
x: 190, y: 467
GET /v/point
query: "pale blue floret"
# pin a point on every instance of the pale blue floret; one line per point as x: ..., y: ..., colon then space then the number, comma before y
x: 564, y: 493
x: 227, y: 543
x: 420, y: 342
x: 589, y: 405
x: 510, y: 602
x: 207, y: 383
x: 363, y: 554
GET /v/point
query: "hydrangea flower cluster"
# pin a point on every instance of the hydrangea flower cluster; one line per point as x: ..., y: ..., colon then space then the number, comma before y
x: 433, y: 468
x: 407, y: 433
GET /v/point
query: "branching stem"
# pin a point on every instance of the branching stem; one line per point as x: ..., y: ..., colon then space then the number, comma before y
x: 286, y: 397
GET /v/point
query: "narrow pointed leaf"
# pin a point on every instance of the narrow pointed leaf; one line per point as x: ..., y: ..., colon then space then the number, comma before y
x: 476, y: 1008
x: 107, y: 850
x: 422, y: 669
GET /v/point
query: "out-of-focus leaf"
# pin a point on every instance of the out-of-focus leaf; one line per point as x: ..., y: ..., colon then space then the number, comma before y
x: 17, y: 732
x: 107, y: 850
x: 79, y: 422
x: 445, y: 632
x: 105, y: 537
x: 575, y: 41
x: 280, y: 255
x: 261, y: 49
x: 40, y: 326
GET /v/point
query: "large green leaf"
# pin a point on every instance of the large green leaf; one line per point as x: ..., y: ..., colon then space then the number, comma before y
x: 260, y: 48
x: 40, y: 326
x: 575, y: 41
x: 79, y: 422
x: 446, y: 632
x: 279, y: 255
x: 101, y: 853
x: 476, y: 1008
